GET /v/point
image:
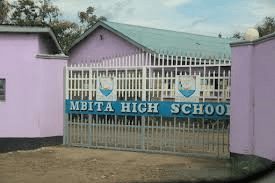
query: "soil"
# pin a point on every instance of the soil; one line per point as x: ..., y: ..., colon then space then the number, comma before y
x: 72, y: 165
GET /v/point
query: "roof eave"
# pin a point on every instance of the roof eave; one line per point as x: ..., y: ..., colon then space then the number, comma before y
x: 42, y: 30
x: 55, y: 40
x: 116, y: 32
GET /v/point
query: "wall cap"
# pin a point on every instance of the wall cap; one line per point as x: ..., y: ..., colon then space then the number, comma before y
x: 255, y: 42
x: 59, y: 56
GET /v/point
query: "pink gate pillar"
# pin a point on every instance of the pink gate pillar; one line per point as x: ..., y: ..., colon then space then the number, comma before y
x: 252, y: 128
x: 31, y: 66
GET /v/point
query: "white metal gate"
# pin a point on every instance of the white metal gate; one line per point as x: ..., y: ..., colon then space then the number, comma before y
x: 146, y: 77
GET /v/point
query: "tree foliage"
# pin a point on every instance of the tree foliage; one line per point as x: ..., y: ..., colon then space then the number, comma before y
x: 4, y: 10
x: 25, y: 12
x: 48, y: 11
x: 267, y: 26
x: 44, y: 12
x: 237, y: 35
x: 88, y: 18
x: 66, y: 32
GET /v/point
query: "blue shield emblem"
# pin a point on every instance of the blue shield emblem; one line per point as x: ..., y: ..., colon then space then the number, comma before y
x: 187, y: 86
x: 106, y: 86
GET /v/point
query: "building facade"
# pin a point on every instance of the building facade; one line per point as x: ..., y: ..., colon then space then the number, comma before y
x: 31, y: 85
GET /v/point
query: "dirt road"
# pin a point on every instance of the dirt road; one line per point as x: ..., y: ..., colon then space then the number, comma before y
x: 73, y: 165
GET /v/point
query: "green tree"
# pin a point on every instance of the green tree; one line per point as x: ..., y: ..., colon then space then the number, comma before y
x: 44, y: 12
x: 4, y: 10
x: 88, y: 18
x: 30, y: 12
x: 48, y: 11
x: 267, y: 26
x: 66, y: 32
x: 237, y: 35
x: 25, y: 12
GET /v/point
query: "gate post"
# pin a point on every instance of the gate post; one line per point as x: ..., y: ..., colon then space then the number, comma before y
x: 90, y: 119
x: 144, y: 80
x: 65, y: 96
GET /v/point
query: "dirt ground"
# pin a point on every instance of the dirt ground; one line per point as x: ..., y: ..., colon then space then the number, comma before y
x: 73, y: 165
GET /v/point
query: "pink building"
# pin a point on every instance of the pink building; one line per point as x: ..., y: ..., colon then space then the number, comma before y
x: 31, y: 85
x: 252, y: 126
x: 109, y: 39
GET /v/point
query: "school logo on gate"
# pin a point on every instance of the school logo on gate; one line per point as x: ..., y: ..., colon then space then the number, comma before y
x: 106, y: 86
x: 187, y: 86
x: 106, y: 89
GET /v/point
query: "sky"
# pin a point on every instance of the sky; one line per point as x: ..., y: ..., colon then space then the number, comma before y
x: 207, y: 17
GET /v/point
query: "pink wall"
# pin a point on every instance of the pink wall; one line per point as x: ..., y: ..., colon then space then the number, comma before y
x: 30, y: 87
x: 92, y: 48
x: 18, y: 65
x: 51, y: 97
x: 240, y: 101
x: 264, y: 94
x: 252, y: 129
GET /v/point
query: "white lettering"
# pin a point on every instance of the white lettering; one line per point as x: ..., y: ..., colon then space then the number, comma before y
x: 175, y: 108
x: 183, y: 108
x: 209, y: 109
x: 84, y: 106
x: 220, y: 110
x: 109, y: 107
x: 142, y: 108
x: 99, y: 106
x: 228, y: 110
x: 134, y: 107
x: 198, y: 109
x: 74, y: 106
x: 152, y: 108
x: 90, y: 106
x: 125, y: 107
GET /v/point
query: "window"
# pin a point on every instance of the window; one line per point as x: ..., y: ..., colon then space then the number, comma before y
x: 2, y: 89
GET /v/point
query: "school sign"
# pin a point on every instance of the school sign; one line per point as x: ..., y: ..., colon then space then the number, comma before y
x: 150, y: 108
x: 186, y: 102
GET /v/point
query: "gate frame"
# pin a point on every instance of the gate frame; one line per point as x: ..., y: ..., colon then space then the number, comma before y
x: 116, y: 64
